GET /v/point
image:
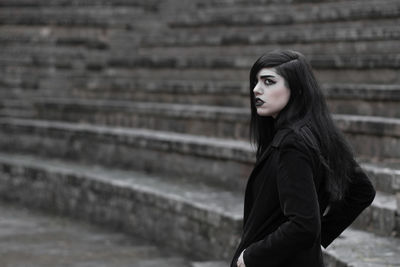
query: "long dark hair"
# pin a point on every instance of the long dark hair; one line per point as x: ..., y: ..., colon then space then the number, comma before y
x: 306, y: 106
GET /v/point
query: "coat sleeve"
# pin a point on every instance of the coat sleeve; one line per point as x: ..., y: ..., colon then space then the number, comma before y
x: 341, y: 214
x: 299, y: 203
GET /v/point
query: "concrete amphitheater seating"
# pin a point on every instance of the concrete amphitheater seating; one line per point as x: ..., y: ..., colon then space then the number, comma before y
x: 134, y: 114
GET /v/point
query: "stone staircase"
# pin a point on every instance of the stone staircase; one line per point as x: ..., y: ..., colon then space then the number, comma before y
x: 134, y: 114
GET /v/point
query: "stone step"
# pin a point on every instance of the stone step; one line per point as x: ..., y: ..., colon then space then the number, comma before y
x: 62, y: 36
x: 52, y: 240
x: 201, y: 4
x: 68, y: 57
x: 370, y: 136
x: 232, y: 50
x: 363, y: 99
x: 45, y: 56
x: 149, y: 4
x: 356, y: 248
x: 17, y: 113
x: 197, y: 219
x: 223, y: 162
x: 220, y: 162
x: 384, y: 174
x: 212, y: 121
x: 16, y: 107
x: 50, y: 37
x: 332, y: 32
x: 209, y: 220
x: 328, y: 61
x: 95, y: 38
x: 39, y: 36
x: 374, y: 137
x: 381, y: 217
x: 93, y: 16
x: 283, y: 14
x: 202, y: 86
x: 52, y: 72
x: 329, y: 69
x: 359, y: 99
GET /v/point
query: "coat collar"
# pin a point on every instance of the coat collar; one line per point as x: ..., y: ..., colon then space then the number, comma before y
x: 276, y: 141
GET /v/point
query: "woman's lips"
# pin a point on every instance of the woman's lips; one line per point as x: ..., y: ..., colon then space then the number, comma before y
x: 258, y: 102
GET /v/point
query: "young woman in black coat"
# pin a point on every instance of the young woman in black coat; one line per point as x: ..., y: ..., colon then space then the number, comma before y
x: 305, y: 188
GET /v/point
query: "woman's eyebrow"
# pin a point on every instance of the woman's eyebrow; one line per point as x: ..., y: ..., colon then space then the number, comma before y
x: 266, y: 76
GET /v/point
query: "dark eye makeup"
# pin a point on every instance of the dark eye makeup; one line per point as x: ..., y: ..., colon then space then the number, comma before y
x: 268, y: 81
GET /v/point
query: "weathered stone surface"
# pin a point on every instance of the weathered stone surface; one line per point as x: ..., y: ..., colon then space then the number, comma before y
x: 97, y: 60
x: 317, y: 61
x: 398, y: 202
x: 380, y: 134
x: 127, y: 50
x: 198, y: 219
x: 150, y: 4
x: 385, y: 177
x: 213, y: 162
x: 327, y: 32
x: 37, y: 239
x: 244, y: 3
x: 379, y: 126
x: 115, y: 198
x: 91, y: 139
x: 216, y: 161
x: 360, y: 99
x: 359, y: 249
x: 293, y: 14
x: 381, y: 217
x: 96, y: 16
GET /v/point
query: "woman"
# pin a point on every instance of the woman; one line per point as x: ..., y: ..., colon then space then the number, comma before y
x: 305, y: 188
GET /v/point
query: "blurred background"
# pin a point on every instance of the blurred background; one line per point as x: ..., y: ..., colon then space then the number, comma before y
x: 133, y: 114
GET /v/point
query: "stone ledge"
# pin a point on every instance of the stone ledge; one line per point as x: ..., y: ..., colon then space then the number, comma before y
x: 385, y: 177
x: 217, y: 93
x: 71, y: 16
x: 244, y: 3
x: 181, y: 111
x: 206, y: 92
x: 381, y: 217
x: 149, y: 4
x: 379, y: 126
x: 96, y: 60
x: 35, y: 37
x: 196, y: 62
x: 220, y: 162
x: 195, y: 217
x: 370, y: 136
x: 225, y: 149
x: 355, y: 124
x: 360, y: 249
x: 119, y: 193
x: 375, y: 92
x: 328, y: 32
x: 23, y: 136
x: 76, y: 243
x: 278, y: 14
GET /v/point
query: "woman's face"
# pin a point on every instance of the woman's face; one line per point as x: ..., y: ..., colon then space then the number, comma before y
x: 270, y: 93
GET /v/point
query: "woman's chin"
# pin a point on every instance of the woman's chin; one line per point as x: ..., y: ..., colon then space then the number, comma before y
x: 263, y: 112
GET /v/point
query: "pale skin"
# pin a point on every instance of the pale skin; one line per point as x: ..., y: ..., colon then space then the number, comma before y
x: 272, y: 90
x: 273, y: 95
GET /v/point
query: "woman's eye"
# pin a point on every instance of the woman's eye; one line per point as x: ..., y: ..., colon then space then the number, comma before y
x: 268, y: 82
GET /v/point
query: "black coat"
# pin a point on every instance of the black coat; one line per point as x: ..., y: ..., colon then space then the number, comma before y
x: 285, y: 200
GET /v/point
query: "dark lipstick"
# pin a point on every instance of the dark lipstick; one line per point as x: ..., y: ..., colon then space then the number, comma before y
x: 258, y: 102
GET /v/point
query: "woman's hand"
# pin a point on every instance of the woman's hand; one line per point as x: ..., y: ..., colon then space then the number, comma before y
x: 240, y: 261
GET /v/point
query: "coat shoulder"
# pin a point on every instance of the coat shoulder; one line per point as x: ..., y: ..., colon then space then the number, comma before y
x: 299, y: 138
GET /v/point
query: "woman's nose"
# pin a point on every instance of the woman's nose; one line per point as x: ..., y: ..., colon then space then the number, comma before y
x: 257, y: 90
